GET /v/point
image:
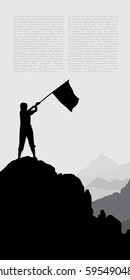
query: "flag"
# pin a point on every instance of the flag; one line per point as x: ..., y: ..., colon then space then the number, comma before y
x: 66, y: 96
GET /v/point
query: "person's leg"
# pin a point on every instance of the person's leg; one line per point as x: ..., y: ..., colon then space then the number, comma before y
x: 30, y: 137
x: 22, y: 137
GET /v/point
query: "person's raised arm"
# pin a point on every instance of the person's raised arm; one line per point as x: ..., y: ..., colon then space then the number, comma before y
x: 33, y: 109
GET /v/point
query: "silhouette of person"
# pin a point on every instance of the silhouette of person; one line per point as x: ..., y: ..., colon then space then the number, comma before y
x: 26, y: 130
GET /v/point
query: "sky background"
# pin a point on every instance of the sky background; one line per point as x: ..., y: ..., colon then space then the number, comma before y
x: 100, y: 123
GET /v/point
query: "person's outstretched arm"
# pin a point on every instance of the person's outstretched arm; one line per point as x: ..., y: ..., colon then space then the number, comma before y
x: 33, y: 109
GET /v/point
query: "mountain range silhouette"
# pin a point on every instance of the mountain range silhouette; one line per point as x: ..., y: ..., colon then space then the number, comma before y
x: 103, y: 177
x: 100, y: 165
x: 45, y: 215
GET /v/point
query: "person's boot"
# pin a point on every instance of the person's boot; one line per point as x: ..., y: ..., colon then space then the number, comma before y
x: 19, y: 153
x: 33, y: 152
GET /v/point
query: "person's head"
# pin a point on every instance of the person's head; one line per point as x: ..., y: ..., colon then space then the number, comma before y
x: 23, y: 106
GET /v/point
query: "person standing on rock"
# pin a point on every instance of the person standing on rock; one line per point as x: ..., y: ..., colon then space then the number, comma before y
x: 26, y: 130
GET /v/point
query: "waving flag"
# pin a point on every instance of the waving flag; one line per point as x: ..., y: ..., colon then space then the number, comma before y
x: 66, y: 96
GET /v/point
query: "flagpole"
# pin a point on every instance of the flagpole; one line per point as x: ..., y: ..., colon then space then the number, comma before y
x: 46, y: 97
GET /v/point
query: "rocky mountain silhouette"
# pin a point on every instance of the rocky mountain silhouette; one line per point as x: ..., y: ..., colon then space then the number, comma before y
x: 117, y: 204
x: 45, y: 215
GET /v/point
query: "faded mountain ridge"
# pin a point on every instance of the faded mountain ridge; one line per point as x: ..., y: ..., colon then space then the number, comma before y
x: 100, y: 188
x: 97, y: 167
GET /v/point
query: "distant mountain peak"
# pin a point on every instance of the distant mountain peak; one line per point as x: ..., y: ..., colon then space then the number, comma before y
x: 102, y: 156
x: 98, y: 166
x: 105, y: 158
